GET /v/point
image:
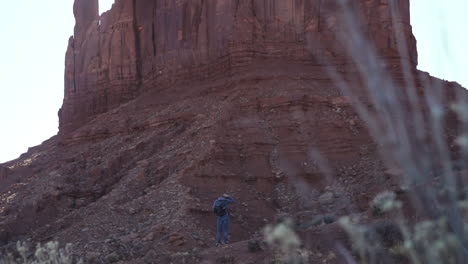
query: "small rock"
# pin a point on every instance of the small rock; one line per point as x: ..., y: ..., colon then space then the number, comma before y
x: 176, y: 239
x: 179, y: 243
x: 195, y: 236
x: 393, y: 172
x: 149, y: 257
x: 331, y: 256
x: 328, y: 219
x: 253, y: 246
x: 149, y: 237
x: 160, y: 230
x: 318, y: 220
x: 128, y: 238
x: 92, y: 257
x: 226, y: 260
x: 326, y: 198
x: 280, y: 175
x: 112, y: 257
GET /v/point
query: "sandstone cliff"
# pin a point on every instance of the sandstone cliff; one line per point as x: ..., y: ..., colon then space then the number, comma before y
x: 170, y: 103
x: 149, y: 45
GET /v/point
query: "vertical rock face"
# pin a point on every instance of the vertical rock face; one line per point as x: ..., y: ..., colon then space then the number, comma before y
x: 144, y: 45
x: 101, y: 69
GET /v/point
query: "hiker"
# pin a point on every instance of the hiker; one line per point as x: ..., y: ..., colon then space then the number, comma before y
x: 220, y: 208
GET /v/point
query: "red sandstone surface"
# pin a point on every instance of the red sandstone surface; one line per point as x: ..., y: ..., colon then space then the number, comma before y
x: 170, y: 103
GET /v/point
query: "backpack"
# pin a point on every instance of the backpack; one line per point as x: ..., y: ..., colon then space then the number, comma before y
x: 220, y: 209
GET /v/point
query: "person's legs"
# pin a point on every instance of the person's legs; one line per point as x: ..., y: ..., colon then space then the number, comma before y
x: 219, y: 227
x: 226, y: 230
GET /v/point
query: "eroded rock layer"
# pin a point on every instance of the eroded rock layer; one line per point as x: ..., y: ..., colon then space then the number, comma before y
x: 147, y: 45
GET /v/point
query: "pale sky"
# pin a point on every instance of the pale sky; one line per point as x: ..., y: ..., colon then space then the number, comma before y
x: 35, y: 36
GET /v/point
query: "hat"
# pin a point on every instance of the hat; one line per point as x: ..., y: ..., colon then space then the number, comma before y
x: 225, y: 195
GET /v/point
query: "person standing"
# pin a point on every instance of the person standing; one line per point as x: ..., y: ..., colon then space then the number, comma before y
x: 221, y: 210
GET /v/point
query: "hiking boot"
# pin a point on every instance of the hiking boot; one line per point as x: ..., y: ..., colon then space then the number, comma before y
x: 218, y: 244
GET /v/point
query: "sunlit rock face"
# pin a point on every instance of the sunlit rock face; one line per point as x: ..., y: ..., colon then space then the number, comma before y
x: 146, y: 45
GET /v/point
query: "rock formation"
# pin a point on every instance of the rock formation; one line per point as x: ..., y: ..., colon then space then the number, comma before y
x: 141, y: 46
x: 170, y: 103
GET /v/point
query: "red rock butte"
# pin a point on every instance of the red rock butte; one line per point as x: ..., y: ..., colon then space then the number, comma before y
x: 146, y: 45
x: 170, y: 103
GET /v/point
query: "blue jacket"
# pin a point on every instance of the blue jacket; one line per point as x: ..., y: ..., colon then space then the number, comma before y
x: 224, y: 201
